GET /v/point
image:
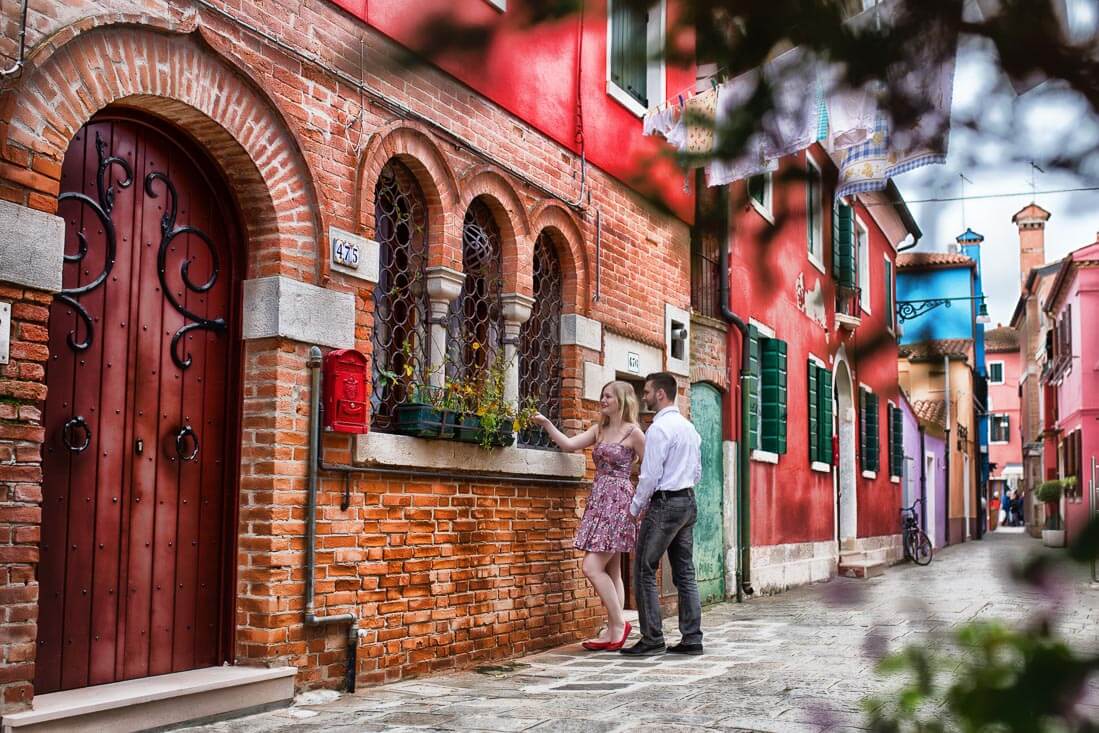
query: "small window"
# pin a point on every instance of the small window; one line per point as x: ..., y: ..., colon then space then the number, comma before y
x: 1000, y: 429
x: 862, y: 247
x: 759, y: 193
x: 820, y: 413
x: 814, y: 188
x: 767, y: 393
x: 635, y: 42
x: 896, y: 441
x: 870, y: 445
x: 995, y: 372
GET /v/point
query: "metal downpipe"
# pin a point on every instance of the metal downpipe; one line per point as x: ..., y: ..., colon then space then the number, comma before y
x: 743, y: 485
x: 311, y: 618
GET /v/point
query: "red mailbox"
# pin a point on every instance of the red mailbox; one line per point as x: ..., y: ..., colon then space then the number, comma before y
x: 345, y: 396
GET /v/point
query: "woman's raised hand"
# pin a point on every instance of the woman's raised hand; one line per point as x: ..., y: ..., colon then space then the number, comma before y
x: 541, y: 420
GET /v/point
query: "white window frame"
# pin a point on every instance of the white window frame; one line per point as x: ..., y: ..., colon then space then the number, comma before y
x: 891, y: 316
x: 766, y: 208
x: 816, y: 258
x: 820, y: 466
x: 858, y: 411
x: 655, y: 77
x: 862, y: 252
x: 762, y: 456
x: 501, y: 5
x: 992, y: 421
x: 1003, y: 376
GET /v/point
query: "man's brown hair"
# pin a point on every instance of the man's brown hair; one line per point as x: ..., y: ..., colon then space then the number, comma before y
x: 666, y: 382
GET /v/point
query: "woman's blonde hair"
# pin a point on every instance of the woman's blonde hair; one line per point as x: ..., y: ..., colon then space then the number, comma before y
x: 628, y: 406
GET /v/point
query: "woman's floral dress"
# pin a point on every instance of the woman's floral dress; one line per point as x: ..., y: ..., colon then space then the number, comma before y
x: 607, y: 525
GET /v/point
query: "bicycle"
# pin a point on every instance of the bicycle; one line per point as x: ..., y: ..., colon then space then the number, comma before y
x: 917, y: 546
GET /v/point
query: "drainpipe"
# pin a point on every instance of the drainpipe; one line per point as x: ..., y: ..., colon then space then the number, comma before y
x: 311, y: 618
x: 743, y: 487
x: 20, y: 60
x: 949, y: 447
x: 923, y: 482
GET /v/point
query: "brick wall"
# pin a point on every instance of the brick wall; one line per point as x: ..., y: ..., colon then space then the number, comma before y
x: 444, y: 574
x: 22, y: 391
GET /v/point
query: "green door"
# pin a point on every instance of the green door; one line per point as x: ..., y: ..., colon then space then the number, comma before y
x: 709, y: 543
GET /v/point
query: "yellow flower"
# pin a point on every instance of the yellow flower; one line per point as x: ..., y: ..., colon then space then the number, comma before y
x: 476, y: 345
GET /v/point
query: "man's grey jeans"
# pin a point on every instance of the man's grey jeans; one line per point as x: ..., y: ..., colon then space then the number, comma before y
x: 668, y: 527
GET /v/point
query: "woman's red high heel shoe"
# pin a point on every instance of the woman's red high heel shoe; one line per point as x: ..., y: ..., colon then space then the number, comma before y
x: 616, y: 645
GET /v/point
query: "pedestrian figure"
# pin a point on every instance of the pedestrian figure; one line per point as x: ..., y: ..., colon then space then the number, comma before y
x: 607, y: 528
x: 670, y: 470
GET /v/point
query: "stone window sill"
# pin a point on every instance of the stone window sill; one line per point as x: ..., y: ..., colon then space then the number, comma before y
x: 821, y: 467
x: 384, y: 450
x: 848, y: 322
x: 870, y: 474
x: 764, y: 456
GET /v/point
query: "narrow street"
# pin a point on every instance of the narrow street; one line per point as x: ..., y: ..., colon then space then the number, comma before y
x: 799, y: 661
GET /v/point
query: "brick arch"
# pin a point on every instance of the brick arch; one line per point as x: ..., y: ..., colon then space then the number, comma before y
x: 517, y: 245
x: 413, y: 145
x: 242, y: 129
x: 568, y: 239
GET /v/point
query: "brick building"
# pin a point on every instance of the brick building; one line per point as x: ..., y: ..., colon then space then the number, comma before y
x: 295, y: 188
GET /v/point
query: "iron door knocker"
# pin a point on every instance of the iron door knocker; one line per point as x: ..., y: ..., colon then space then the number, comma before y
x: 185, y: 432
x: 76, y: 423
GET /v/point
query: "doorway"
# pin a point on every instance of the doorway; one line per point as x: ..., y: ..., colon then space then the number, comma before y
x: 846, y: 483
x: 142, y: 418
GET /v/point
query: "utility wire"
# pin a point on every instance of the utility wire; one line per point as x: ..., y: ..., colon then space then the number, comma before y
x: 946, y: 199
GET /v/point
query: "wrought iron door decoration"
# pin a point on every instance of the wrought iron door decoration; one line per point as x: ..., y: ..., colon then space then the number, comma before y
x: 169, y: 231
x: 102, y: 209
x: 540, y: 342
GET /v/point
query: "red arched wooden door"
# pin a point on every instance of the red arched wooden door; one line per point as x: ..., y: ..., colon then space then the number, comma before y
x: 139, y: 461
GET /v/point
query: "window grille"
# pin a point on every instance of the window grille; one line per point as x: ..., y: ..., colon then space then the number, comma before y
x: 476, y: 323
x: 540, y: 342
x: 399, y: 340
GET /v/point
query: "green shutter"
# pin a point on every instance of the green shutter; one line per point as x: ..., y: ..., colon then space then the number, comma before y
x: 813, y: 401
x: 824, y: 449
x: 870, y: 444
x: 843, y: 246
x: 773, y: 396
x: 629, y: 50
x: 896, y: 441
x: 753, y: 388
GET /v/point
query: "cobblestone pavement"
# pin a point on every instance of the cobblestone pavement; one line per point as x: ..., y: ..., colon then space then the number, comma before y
x: 799, y: 661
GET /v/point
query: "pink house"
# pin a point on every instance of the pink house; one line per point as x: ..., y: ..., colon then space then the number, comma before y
x: 1005, y: 450
x: 1070, y: 371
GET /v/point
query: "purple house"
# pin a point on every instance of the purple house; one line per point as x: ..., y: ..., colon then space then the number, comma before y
x: 925, y: 463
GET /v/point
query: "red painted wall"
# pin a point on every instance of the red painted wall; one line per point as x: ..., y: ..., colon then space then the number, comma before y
x: 532, y: 73
x: 790, y: 502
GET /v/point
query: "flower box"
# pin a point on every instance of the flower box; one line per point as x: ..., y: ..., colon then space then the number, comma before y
x: 423, y: 421
x: 470, y: 430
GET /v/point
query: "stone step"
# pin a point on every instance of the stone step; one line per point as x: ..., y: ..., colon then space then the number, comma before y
x: 155, y: 702
x: 861, y: 568
x: 880, y: 555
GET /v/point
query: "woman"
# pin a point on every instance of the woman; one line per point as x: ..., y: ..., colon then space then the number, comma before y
x: 607, y: 529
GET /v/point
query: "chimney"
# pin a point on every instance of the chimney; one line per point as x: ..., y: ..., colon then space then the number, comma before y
x: 1031, y: 220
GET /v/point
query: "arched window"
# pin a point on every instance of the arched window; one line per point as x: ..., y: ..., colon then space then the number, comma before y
x: 476, y: 317
x: 400, y: 297
x: 540, y: 341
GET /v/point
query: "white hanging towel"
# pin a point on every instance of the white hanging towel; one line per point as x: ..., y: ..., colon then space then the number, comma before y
x: 791, y: 123
x: 733, y: 96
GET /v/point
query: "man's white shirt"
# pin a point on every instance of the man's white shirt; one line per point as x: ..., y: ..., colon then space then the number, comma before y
x: 673, y: 457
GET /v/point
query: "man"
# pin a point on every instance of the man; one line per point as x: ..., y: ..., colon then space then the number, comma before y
x: 670, y: 469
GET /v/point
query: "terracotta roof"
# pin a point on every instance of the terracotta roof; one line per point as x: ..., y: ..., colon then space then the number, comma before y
x: 931, y: 411
x: 937, y: 349
x: 932, y: 259
x: 1004, y: 338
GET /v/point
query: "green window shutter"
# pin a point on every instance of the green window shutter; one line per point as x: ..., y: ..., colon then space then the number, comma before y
x: 843, y: 246
x: 871, y: 445
x: 824, y: 448
x: 753, y: 388
x: 896, y: 442
x: 773, y: 395
x: 629, y: 50
x: 813, y: 401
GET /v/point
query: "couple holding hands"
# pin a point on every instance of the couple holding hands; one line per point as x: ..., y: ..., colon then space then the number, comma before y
x: 671, y: 466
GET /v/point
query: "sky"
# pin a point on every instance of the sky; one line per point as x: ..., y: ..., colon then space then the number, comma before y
x: 994, y: 156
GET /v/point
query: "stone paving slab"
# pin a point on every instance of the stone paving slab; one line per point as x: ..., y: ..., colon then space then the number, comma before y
x: 799, y: 662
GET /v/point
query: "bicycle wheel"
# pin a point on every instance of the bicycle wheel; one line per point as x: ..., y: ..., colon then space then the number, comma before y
x: 919, y: 547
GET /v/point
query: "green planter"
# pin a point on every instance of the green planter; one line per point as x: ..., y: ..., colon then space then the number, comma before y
x: 423, y: 421
x: 468, y: 429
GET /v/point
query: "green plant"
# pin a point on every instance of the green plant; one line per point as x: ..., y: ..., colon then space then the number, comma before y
x: 1049, y: 491
x: 1069, y: 486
